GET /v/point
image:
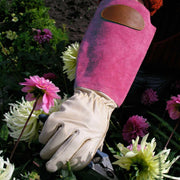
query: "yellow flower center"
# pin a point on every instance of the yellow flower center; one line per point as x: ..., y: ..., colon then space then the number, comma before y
x: 140, y: 163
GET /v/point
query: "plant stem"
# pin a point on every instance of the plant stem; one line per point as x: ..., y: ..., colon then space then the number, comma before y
x: 18, y: 140
x: 177, y: 124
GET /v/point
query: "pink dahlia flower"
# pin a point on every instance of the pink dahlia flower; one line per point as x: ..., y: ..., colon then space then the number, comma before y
x: 173, y: 107
x: 41, y: 88
x: 149, y: 97
x: 135, y: 126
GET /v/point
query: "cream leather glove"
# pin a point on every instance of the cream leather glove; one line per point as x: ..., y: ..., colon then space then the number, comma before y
x: 76, y: 132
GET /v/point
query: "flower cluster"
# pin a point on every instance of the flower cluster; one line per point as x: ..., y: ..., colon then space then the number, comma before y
x: 6, y: 169
x: 14, y: 17
x: 70, y: 60
x: 143, y: 160
x: 135, y: 126
x: 42, y: 36
x: 11, y: 35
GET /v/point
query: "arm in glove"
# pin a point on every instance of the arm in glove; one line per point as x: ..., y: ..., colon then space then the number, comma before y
x: 76, y: 132
x: 110, y: 55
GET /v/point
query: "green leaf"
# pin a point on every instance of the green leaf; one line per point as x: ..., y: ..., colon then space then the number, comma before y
x: 68, y: 174
x: 4, y: 132
x: 163, y: 122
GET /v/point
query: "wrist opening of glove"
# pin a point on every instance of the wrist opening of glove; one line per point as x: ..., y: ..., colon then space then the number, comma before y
x: 97, y: 95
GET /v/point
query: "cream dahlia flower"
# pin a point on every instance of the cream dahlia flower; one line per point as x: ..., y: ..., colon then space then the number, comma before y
x: 17, y: 117
x: 144, y: 161
x: 70, y: 60
x: 6, y: 169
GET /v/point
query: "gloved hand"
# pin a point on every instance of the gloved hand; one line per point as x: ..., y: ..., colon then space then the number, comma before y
x: 76, y: 132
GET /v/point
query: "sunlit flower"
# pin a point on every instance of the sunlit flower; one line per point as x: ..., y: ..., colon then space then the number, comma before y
x: 149, y: 97
x: 43, y: 89
x: 15, y: 19
x: 6, y: 169
x: 135, y: 126
x: 31, y: 176
x: 173, y: 107
x: 70, y: 60
x: 16, y: 118
x: 11, y: 35
x: 144, y: 162
x: 13, y: 14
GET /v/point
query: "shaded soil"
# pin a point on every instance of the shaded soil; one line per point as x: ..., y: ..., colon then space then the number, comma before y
x: 75, y: 14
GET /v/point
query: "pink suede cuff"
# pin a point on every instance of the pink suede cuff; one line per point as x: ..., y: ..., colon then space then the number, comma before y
x: 111, y: 54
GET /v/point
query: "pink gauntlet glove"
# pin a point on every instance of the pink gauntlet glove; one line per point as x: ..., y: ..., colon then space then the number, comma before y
x: 110, y: 55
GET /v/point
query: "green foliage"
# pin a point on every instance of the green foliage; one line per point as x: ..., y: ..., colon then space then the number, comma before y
x: 4, y: 132
x: 20, y: 54
x: 169, y: 129
x: 67, y: 174
x: 33, y: 176
x: 4, y: 8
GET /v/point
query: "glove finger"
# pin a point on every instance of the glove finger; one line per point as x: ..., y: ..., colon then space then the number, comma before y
x: 50, y: 127
x: 84, y: 155
x: 61, y: 136
x: 65, y: 152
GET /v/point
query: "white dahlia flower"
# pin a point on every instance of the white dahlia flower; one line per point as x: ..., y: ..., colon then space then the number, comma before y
x: 6, y: 169
x: 70, y: 60
x: 16, y: 118
x: 144, y: 161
